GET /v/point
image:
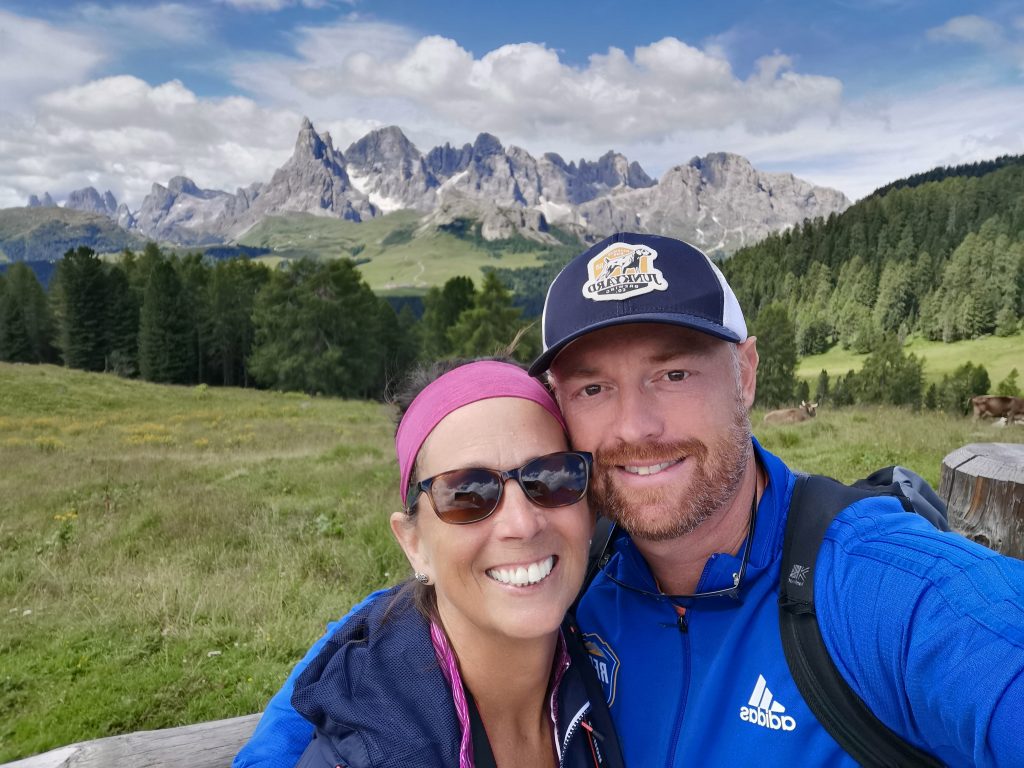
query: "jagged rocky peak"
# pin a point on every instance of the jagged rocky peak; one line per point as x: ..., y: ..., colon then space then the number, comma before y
x: 124, y: 217
x: 46, y: 202
x: 309, y: 145
x: 614, y: 170
x: 446, y: 161
x: 182, y: 185
x: 88, y: 199
x: 556, y: 160
x: 716, y: 167
x: 383, y: 146
x: 487, y: 144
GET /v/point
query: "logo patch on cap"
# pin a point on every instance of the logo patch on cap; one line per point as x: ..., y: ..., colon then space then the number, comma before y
x: 622, y: 271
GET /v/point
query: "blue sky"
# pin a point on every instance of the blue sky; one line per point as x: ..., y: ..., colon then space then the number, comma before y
x: 847, y: 94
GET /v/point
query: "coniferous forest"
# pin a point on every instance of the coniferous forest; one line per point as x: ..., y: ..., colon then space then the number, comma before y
x: 941, y: 258
x: 940, y: 255
x: 314, y: 327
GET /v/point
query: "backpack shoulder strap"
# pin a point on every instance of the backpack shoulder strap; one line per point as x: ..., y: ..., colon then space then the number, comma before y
x: 597, y: 556
x: 816, y: 502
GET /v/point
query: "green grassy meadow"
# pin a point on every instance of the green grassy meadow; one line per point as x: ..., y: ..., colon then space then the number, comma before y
x: 400, y: 260
x: 168, y: 553
x: 999, y: 355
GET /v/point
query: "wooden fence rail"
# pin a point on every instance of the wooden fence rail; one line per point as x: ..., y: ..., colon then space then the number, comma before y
x: 203, y: 745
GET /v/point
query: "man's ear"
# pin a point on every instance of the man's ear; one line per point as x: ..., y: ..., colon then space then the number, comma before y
x: 407, y: 533
x: 747, y: 355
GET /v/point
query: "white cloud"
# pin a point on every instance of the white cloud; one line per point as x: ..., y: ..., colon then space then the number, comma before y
x: 524, y: 91
x: 969, y: 29
x: 36, y: 57
x: 659, y: 104
x: 137, y: 26
x: 998, y: 43
x: 871, y: 144
x: 276, y: 5
x: 123, y: 134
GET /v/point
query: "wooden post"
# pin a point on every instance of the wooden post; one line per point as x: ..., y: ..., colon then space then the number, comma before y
x: 203, y: 745
x: 983, y: 485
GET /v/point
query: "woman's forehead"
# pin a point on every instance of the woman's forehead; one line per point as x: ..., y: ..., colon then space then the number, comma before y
x: 490, y: 432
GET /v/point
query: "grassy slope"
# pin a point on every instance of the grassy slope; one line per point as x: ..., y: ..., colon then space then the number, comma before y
x: 169, y: 552
x: 147, y: 529
x: 999, y: 355
x: 399, y: 261
x: 62, y: 228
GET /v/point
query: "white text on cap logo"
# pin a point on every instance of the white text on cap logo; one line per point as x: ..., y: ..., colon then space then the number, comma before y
x: 622, y: 271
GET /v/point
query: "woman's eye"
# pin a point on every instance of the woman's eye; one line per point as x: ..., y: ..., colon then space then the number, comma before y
x: 676, y: 375
x: 592, y: 389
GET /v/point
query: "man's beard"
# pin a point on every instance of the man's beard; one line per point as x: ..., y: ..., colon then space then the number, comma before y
x: 714, y: 480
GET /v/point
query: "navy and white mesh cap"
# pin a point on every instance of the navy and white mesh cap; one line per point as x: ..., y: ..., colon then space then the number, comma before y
x: 631, y: 278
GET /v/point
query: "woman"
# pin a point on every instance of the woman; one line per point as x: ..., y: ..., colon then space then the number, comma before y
x: 471, y: 664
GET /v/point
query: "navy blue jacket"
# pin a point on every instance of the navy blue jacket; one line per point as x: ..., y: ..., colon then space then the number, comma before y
x: 378, y: 698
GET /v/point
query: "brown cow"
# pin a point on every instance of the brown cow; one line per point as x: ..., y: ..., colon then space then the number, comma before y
x: 792, y: 415
x: 996, y: 406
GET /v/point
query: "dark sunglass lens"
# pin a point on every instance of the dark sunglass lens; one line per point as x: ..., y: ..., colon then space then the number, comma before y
x: 465, y: 495
x: 555, y: 481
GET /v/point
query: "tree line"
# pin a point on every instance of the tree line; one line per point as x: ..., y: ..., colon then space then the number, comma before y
x: 944, y: 259
x: 311, y: 326
x: 888, y: 375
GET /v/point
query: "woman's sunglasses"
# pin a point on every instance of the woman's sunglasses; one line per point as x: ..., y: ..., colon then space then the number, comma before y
x: 462, y: 496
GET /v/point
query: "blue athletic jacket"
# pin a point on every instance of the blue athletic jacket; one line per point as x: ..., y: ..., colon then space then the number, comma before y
x: 925, y: 626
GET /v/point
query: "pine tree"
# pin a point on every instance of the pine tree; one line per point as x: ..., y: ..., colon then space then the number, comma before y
x: 821, y: 392
x: 82, y: 309
x: 441, y: 310
x: 165, y: 335
x: 26, y: 328
x: 490, y: 325
x: 889, y: 376
x: 122, y: 324
x: 1008, y: 387
x: 227, y: 330
x: 318, y: 330
x: 776, y: 346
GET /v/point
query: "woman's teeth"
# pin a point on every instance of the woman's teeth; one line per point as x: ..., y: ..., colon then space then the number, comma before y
x: 524, y: 575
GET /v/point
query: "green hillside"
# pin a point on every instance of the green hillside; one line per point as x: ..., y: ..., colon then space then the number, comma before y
x: 44, y: 234
x: 998, y: 354
x: 393, y: 256
x: 943, y: 259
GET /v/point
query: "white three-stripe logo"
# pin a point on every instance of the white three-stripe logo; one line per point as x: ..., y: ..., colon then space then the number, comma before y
x: 762, y: 697
x: 763, y: 710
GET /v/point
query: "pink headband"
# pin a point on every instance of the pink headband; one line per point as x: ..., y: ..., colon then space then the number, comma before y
x: 466, y: 384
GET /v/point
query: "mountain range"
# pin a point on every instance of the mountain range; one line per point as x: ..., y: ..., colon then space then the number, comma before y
x: 719, y: 202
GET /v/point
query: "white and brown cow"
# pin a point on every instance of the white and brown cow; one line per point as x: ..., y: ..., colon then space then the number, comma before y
x: 792, y: 415
x: 997, y: 407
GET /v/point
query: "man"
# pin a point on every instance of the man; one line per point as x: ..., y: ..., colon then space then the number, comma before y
x: 647, y: 351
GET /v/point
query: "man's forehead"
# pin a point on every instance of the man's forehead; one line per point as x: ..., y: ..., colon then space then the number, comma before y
x: 639, y: 341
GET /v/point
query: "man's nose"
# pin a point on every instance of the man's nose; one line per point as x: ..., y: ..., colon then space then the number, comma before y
x: 637, y: 418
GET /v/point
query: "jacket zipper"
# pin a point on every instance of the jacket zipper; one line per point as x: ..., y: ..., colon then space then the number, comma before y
x: 574, y: 724
x: 684, y: 635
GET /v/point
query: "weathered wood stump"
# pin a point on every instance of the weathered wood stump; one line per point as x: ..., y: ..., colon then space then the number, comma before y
x: 203, y: 745
x: 983, y: 484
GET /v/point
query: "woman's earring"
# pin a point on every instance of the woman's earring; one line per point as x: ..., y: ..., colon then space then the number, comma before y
x: 422, y: 578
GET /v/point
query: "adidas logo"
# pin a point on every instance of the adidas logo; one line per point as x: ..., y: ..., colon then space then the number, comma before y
x: 763, y: 710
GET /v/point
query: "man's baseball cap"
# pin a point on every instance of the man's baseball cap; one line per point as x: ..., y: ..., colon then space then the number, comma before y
x: 632, y: 278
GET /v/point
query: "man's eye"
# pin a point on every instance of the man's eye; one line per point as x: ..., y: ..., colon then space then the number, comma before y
x: 676, y: 375
x: 592, y: 389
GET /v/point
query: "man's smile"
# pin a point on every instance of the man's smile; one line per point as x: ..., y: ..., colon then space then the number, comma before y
x: 649, y: 469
